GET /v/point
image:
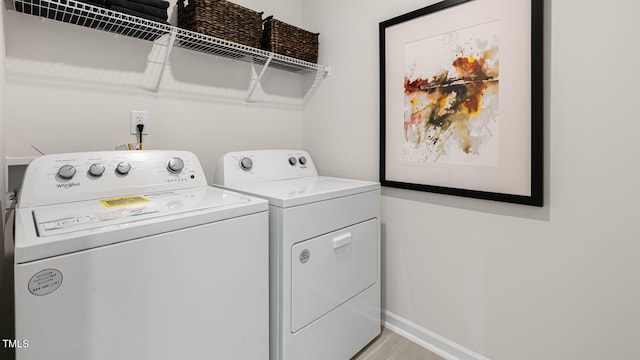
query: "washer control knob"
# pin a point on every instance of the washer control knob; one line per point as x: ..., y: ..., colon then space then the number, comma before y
x: 123, y: 168
x: 175, y: 165
x: 66, y: 171
x: 96, y: 170
x: 246, y: 164
x: 302, y: 160
x: 292, y: 161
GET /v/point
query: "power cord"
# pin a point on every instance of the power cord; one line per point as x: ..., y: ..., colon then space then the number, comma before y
x: 140, y: 128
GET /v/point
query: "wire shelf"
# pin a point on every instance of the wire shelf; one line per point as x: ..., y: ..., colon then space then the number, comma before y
x: 87, y: 15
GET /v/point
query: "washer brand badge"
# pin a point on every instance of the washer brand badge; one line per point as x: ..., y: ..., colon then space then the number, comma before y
x: 45, y: 282
x: 68, y: 185
x: 305, y: 255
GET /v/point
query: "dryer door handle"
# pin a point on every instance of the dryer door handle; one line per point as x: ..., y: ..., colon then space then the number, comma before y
x: 341, y: 240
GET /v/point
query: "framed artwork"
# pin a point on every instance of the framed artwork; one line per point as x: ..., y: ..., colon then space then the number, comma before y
x: 461, y: 89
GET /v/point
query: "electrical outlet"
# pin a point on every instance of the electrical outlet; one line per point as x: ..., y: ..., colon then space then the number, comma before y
x: 139, y: 117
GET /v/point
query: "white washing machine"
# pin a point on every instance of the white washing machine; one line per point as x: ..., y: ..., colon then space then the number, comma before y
x: 324, y: 252
x: 131, y: 256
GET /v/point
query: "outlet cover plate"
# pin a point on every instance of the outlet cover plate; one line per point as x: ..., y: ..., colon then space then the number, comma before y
x: 139, y: 117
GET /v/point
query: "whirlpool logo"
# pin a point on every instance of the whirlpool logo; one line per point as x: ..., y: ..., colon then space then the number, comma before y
x: 68, y: 185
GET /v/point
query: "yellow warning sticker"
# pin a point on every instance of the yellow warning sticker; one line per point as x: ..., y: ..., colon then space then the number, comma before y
x: 124, y: 200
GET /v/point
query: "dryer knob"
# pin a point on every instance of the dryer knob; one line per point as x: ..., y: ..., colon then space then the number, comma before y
x: 246, y: 164
x: 66, y: 171
x: 123, y: 168
x: 96, y: 169
x: 175, y: 165
x: 302, y: 160
x: 292, y: 161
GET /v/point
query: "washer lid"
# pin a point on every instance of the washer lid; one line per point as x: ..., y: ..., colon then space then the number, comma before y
x: 294, y: 192
x: 63, y: 228
x: 84, y: 215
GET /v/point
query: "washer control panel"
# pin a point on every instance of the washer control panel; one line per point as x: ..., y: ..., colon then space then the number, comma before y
x: 263, y: 165
x: 61, y: 178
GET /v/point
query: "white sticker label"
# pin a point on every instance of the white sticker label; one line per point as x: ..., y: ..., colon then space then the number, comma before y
x: 45, y: 282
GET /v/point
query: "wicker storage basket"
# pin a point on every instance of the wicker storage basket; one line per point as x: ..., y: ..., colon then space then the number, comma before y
x: 284, y: 39
x: 221, y: 19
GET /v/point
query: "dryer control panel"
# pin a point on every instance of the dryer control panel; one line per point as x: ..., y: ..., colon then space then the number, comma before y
x: 61, y: 178
x: 242, y: 167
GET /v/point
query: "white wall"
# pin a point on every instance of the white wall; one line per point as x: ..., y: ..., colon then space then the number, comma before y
x: 5, y: 296
x: 2, y: 103
x: 507, y: 281
x: 71, y: 89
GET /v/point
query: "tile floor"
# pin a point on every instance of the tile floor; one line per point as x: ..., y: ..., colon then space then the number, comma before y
x: 391, y: 346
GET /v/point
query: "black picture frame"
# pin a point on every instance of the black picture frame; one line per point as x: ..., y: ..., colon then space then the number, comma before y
x: 409, y: 160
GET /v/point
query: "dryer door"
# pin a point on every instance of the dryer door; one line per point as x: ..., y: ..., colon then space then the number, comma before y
x: 328, y: 270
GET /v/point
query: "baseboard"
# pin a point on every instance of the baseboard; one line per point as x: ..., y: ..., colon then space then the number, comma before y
x: 428, y: 339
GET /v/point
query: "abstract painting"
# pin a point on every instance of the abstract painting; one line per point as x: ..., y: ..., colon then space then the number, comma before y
x: 451, y: 97
x: 461, y: 100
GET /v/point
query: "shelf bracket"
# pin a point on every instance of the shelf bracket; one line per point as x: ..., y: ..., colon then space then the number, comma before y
x: 320, y: 76
x: 165, y: 61
x: 256, y: 81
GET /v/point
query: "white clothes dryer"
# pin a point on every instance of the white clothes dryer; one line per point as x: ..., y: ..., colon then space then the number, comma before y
x: 324, y: 252
x: 132, y: 256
